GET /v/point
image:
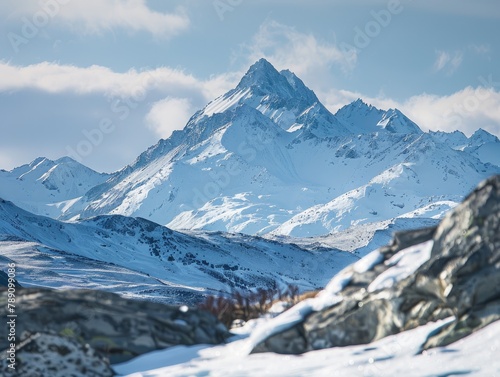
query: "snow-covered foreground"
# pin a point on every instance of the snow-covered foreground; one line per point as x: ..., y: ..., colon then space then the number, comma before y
x: 397, y: 355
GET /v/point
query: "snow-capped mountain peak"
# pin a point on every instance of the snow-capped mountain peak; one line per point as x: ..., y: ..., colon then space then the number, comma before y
x: 269, y: 157
x: 263, y: 77
x: 298, y: 85
x: 484, y: 146
x: 43, y: 185
x: 456, y: 139
x: 481, y: 136
x: 281, y: 96
x: 361, y: 118
x: 396, y: 122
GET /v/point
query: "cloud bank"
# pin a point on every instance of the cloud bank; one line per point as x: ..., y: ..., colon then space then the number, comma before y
x: 99, y: 16
x: 67, y: 102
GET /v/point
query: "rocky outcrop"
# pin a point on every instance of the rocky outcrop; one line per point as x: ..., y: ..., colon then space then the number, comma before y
x: 47, y: 355
x: 423, y: 276
x: 117, y: 328
x: 4, y: 280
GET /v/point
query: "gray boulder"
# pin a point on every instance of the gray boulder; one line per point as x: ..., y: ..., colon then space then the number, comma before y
x: 117, y: 328
x: 461, y: 278
x: 47, y: 355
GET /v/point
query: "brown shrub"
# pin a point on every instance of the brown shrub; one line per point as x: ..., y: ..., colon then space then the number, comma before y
x: 246, y: 305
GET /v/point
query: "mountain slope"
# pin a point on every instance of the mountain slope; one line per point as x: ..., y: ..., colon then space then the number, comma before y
x: 429, y: 177
x: 362, y: 118
x: 426, y: 304
x: 484, y: 146
x: 139, y: 258
x: 46, y: 187
x: 268, y: 158
x: 481, y: 144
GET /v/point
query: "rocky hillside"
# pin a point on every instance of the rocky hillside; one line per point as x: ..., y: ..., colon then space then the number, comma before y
x: 452, y: 270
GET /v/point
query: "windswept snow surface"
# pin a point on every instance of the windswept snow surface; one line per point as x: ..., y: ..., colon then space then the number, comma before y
x: 400, y: 266
x: 397, y: 355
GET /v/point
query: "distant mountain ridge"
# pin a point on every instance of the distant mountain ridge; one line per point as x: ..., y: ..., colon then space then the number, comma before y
x: 138, y: 258
x: 362, y: 118
x: 46, y: 187
x: 268, y: 158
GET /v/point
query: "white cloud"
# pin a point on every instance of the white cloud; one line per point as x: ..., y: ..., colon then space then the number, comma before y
x: 466, y: 110
x: 448, y: 61
x: 480, y: 49
x: 168, y: 115
x: 56, y: 78
x: 96, y: 16
x: 65, y: 101
x: 286, y: 48
x: 442, y: 59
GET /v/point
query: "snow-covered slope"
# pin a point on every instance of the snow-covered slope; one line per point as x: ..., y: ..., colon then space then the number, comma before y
x: 426, y: 183
x: 397, y: 355
x: 424, y: 305
x: 46, y: 187
x: 139, y: 258
x: 421, y: 306
x: 455, y: 140
x: 362, y: 118
x: 268, y: 158
x: 482, y: 144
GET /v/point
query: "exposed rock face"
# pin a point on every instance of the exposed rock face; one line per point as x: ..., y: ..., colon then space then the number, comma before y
x: 457, y: 274
x: 117, y: 328
x: 4, y: 280
x: 46, y: 355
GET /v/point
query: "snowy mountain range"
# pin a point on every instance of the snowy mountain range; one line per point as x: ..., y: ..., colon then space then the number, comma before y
x: 138, y: 258
x: 42, y: 186
x: 267, y: 158
x: 264, y: 187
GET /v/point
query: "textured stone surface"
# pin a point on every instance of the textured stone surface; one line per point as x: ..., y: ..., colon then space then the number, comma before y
x: 117, y: 328
x: 47, y: 355
x: 461, y: 279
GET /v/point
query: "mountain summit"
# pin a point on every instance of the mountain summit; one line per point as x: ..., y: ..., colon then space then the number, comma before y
x: 362, y: 118
x: 281, y: 96
x: 263, y: 78
x: 268, y: 157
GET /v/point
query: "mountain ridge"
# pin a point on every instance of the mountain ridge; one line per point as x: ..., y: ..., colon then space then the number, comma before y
x: 139, y: 258
x: 268, y: 151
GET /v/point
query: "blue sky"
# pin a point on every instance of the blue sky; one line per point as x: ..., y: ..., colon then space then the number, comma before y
x: 101, y: 80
